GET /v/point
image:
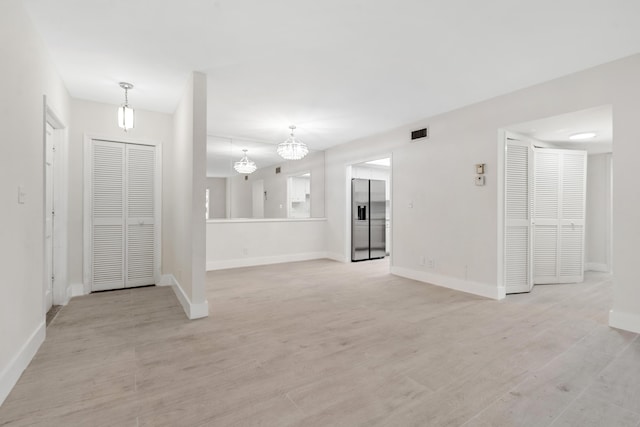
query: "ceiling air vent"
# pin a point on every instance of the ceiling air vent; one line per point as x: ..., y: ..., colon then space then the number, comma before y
x: 278, y: 170
x: 420, y: 133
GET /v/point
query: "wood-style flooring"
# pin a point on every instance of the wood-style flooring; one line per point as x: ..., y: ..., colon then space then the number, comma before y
x: 321, y: 343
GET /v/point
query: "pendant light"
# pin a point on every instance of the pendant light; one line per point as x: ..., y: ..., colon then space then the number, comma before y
x: 245, y: 166
x: 125, y: 111
x: 292, y: 148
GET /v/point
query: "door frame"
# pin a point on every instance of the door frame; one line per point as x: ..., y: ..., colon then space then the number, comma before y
x: 503, y: 135
x: 347, y: 212
x: 60, y: 291
x: 86, y: 250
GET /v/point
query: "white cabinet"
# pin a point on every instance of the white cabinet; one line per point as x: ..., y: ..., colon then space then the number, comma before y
x: 299, y: 196
x: 300, y: 189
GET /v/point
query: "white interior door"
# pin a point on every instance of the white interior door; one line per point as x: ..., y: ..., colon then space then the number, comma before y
x: 140, y: 232
x: 518, y: 176
x: 559, y: 215
x: 107, y: 208
x: 49, y: 217
x: 572, y: 224
x: 546, y: 215
x: 123, y: 215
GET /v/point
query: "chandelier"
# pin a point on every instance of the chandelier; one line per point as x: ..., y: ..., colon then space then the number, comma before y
x: 125, y: 111
x: 244, y: 165
x: 292, y: 148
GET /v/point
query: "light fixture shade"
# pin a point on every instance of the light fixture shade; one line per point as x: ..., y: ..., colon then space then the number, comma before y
x: 126, y: 115
x: 292, y: 148
x: 582, y: 135
x: 126, y: 118
x: 244, y: 165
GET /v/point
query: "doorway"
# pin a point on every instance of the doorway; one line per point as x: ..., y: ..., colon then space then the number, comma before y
x: 257, y: 197
x: 55, y: 287
x: 122, y: 208
x: 49, y: 216
x: 563, y: 227
x: 375, y: 214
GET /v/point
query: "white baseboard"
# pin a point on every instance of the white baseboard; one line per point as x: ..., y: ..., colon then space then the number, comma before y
x: 11, y: 373
x: 75, y: 290
x: 254, y: 261
x: 627, y: 321
x: 596, y: 266
x: 193, y: 311
x: 338, y: 257
x: 476, y: 288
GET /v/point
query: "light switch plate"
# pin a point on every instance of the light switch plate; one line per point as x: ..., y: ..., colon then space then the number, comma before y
x: 480, y: 180
x: 21, y: 195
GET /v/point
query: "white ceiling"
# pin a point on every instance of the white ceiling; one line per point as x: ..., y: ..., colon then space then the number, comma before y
x: 223, y: 152
x: 338, y: 69
x: 557, y: 129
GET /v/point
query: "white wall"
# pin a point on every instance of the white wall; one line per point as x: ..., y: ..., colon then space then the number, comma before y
x: 217, y: 197
x: 240, y: 197
x: 98, y: 119
x: 26, y: 75
x: 258, y: 242
x: 184, y: 184
x: 598, y: 214
x: 452, y: 221
x: 276, y: 187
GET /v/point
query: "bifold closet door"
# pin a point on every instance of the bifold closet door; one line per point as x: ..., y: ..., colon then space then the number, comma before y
x: 546, y: 215
x: 140, y: 233
x: 573, y: 206
x: 559, y: 215
x: 107, y: 208
x: 518, y: 175
x: 123, y: 215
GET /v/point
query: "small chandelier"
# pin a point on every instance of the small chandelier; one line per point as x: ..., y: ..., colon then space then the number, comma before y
x: 125, y: 111
x: 292, y: 148
x: 245, y: 165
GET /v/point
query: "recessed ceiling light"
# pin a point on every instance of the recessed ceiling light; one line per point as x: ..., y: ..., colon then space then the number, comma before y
x: 582, y: 135
x: 381, y: 162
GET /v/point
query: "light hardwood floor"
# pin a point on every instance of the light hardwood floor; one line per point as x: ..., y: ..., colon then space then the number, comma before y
x: 321, y: 343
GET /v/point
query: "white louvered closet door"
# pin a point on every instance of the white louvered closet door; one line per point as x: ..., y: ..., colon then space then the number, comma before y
x: 123, y: 215
x: 107, y: 207
x: 140, y: 215
x: 573, y: 206
x: 546, y: 215
x: 559, y: 215
x: 518, y: 173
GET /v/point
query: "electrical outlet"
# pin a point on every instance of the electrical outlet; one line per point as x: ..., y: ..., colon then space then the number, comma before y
x: 245, y: 251
x: 432, y: 264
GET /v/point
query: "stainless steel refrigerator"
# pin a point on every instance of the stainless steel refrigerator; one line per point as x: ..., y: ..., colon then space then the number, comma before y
x: 368, y: 215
